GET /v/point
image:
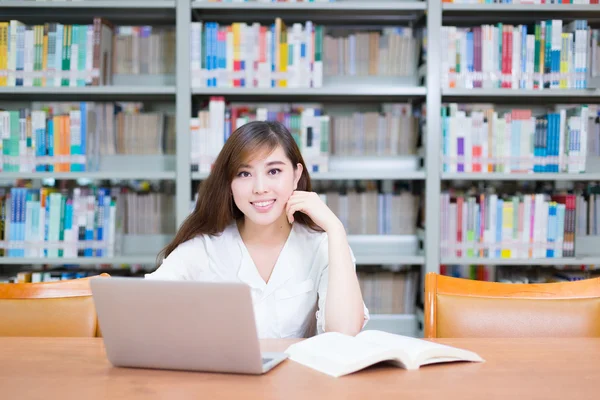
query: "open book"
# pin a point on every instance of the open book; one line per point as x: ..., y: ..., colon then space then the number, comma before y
x: 337, y: 354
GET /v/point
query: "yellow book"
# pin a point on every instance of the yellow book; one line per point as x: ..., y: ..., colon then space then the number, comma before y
x: 237, y: 62
x: 564, y: 61
x: 45, y: 53
x: 3, y: 52
x: 507, y: 228
x: 283, y: 55
x: 277, y: 47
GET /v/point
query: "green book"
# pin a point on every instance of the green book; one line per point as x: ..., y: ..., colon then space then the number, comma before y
x: 61, y: 229
x: 536, y: 58
x: 66, y: 53
x: 82, y: 56
x: 15, y: 136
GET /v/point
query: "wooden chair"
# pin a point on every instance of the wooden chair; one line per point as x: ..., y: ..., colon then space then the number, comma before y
x: 60, y: 308
x: 457, y: 308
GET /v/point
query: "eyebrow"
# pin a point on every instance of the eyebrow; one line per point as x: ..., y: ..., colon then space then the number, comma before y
x: 270, y: 163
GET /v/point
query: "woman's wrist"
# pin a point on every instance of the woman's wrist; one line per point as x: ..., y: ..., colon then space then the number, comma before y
x: 335, y: 228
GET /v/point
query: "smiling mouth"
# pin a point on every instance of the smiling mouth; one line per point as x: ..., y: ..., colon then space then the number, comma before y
x: 264, y: 203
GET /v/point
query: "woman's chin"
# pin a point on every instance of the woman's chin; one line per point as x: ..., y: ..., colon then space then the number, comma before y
x: 264, y: 219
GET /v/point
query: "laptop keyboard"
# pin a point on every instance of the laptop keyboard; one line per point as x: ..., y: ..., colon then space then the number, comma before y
x: 266, y: 360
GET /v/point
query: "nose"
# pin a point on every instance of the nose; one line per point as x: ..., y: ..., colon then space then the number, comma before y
x: 259, y: 185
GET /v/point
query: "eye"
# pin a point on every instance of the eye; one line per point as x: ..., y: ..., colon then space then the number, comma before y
x: 274, y: 171
x: 243, y: 174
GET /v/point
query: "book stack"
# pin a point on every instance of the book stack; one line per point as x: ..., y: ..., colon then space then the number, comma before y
x: 479, y: 138
x: 255, y: 55
x: 146, y: 211
x: 387, y: 292
x: 144, y: 50
x: 364, y: 210
x: 519, y: 273
x: 550, y: 55
x: 40, y: 223
x: 392, y: 131
x: 63, y: 137
x: 213, y: 126
x: 475, y: 272
x: 587, y: 208
x: 387, y: 51
x: 260, y: 1
x: 520, y: 226
x: 541, y: 3
x: 55, y: 54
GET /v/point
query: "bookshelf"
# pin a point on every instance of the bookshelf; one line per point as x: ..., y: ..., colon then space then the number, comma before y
x: 472, y: 15
x: 363, y: 6
x: 363, y: 90
x: 183, y: 97
x: 493, y: 176
x: 89, y: 5
x: 571, y: 261
x: 539, y: 9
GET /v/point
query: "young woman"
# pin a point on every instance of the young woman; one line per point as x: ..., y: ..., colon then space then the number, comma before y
x: 257, y: 221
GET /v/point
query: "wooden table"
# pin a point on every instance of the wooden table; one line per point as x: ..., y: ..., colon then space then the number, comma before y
x: 67, y: 368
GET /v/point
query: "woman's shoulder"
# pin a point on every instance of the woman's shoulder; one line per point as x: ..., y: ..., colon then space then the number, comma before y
x: 205, y: 241
x: 190, y: 247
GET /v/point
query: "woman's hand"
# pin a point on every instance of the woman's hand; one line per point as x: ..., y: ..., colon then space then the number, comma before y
x: 311, y: 204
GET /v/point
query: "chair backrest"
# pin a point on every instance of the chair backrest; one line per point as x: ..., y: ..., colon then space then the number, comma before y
x: 456, y: 307
x: 60, y: 308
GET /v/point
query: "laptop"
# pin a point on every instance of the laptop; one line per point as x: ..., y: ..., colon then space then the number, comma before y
x: 180, y: 325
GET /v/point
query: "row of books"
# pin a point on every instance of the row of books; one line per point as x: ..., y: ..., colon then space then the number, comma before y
x: 390, y: 51
x: 371, y: 212
x: 49, y: 223
x: 479, y: 138
x: 71, y: 136
x: 536, y: 2
x: 364, y: 209
x: 147, y: 212
x: 587, y: 214
x: 520, y: 274
x: 213, y: 126
x: 520, y: 226
x: 549, y: 55
x: 391, y: 131
x: 387, y: 292
x: 265, y: 1
x: 475, y: 272
x: 55, y: 54
x: 81, y: 221
x: 33, y: 274
x: 47, y: 276
x: 144, y: 50
x: 255, y: 55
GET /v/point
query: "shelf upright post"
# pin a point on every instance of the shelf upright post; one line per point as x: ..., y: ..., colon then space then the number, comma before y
x: 183, y: 102
x: 432, y: 155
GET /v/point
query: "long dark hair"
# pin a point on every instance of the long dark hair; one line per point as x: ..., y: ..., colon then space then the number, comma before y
x: 215, y: 208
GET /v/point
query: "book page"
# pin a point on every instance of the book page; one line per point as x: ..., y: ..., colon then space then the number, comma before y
x: 420, y: 351
x: 335, y: 354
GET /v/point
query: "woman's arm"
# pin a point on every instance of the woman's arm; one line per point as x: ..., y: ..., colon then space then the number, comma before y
x: 344, y: 307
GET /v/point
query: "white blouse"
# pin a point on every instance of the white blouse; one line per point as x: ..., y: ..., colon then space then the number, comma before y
x: 290, y: 304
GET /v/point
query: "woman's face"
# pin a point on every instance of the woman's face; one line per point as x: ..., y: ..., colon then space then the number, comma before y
x: 262, y: 186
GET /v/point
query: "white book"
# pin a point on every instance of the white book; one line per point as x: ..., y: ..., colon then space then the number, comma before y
x: 516, y: 57
x: 583, y: 138
x: 336, y: 354
x: 525, y: 238
x: 28, y: 58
